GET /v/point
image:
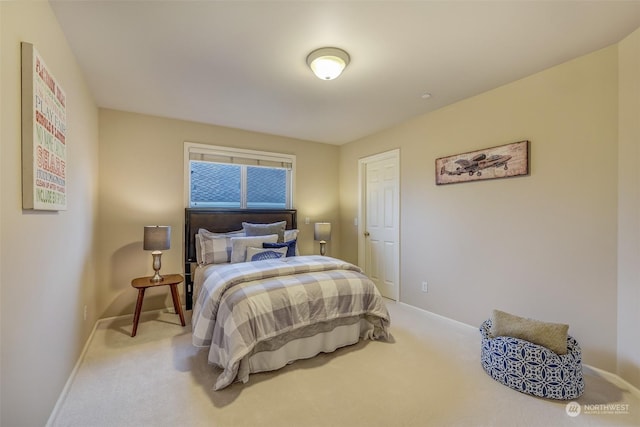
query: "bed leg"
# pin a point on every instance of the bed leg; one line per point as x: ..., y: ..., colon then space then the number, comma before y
x: 188, y: 287
x: 189, y: 302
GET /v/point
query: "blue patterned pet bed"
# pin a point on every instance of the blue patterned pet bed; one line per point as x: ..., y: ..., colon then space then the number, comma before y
x: 531, y: 368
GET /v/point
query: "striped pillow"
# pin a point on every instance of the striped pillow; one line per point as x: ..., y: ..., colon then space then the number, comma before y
x: 215, y: 248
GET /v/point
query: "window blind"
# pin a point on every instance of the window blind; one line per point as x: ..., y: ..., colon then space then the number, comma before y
x: 217, y: 155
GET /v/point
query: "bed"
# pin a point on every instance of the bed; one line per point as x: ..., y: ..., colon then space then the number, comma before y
x: 222, y: 221
x: 272, y: 306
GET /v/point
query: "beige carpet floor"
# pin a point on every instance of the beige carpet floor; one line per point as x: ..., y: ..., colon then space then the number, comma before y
x: 429, y: 375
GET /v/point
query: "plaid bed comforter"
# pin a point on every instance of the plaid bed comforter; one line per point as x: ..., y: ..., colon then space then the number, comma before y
x: 244, y: 304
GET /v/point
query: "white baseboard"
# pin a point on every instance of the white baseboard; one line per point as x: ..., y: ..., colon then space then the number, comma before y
x: 67, y: 385
x: 617, y: 380
x: 614, y: 378
x: 430, y: 313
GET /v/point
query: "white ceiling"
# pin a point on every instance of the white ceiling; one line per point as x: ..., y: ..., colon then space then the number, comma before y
x: 242, y: 64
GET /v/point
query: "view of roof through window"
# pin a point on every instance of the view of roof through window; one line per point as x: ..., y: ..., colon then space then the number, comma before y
x: 220, y: 185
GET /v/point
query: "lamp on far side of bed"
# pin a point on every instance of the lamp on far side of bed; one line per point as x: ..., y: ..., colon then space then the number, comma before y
x: 157, y: 238
x: 322, y: 232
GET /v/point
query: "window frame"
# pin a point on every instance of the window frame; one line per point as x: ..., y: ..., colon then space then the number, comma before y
x: 250, y: 155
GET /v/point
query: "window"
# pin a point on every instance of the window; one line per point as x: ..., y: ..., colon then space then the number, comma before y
x: 224, y: 177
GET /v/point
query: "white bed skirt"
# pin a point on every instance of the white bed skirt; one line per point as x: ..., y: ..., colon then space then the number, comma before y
x: 305, y: 348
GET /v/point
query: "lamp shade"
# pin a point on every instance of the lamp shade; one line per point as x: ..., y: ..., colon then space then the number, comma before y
x: 322, y: 231
x: 327, y: 63
x: 157, y: 237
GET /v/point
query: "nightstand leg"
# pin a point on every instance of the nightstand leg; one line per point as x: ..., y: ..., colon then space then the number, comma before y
x: 176, y: 302
x: 136, y: 316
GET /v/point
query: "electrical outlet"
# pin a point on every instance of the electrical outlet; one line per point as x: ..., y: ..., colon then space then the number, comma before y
x: 425, y: 287
x: 85, y: 312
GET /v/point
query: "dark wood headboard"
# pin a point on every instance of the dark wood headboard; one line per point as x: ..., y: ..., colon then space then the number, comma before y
x: 222, y: 221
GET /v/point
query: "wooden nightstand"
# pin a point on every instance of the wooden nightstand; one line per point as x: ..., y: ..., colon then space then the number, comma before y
x: 142, y: 283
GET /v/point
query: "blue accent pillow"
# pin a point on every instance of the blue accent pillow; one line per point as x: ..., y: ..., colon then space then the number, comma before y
x: 290, y: 245
x: 266, y: 255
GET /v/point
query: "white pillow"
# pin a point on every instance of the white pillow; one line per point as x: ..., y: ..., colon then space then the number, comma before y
x: 198, y: 249
x: 239, y: 245
x: 258, y: 254
x: 292, y: 235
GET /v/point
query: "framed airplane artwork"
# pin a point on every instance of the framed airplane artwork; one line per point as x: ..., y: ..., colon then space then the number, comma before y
x: 504, y: 161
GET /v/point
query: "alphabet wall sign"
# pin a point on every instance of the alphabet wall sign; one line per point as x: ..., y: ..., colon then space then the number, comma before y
x: 44, y: 130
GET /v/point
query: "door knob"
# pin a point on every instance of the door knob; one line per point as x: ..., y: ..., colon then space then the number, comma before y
x: 366, y: 234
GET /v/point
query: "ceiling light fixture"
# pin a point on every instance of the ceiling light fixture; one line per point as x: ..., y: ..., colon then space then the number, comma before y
x: 328, y: 62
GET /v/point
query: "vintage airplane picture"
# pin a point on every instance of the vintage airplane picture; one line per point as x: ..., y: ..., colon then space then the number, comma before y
x: 497, y: 162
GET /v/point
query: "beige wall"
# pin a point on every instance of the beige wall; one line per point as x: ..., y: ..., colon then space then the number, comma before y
x: 629, y: 210
x: 48, y: 271
x: 544, y: 246
x: 142, y: 183
x: 1, y: 204
x: 541, y: 246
